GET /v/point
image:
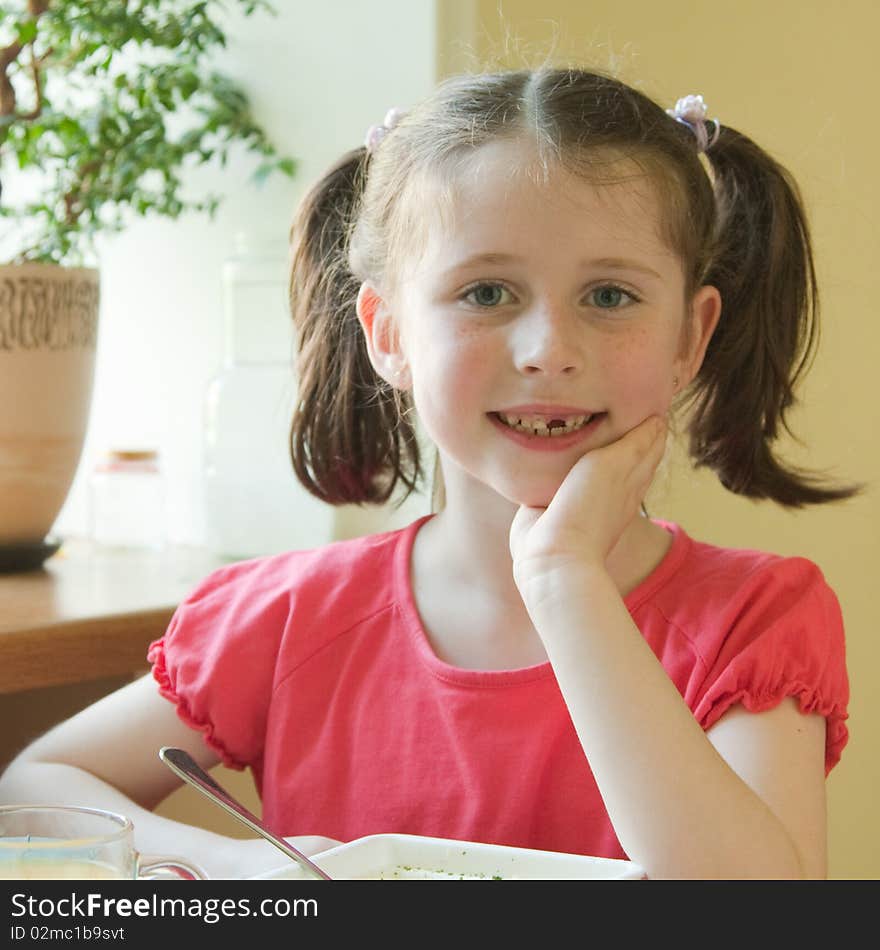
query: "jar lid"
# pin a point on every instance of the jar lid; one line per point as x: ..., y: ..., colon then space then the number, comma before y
x: 129, y: 460
x: 133, y: 455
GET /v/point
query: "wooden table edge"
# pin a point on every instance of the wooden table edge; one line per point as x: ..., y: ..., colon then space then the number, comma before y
x: 79, y: 649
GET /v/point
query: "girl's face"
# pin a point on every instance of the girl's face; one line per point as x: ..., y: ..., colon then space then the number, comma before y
x: 554, y: 304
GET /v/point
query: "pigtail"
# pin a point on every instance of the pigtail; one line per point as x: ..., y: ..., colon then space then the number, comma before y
x: 350, y: 439
x: 762, y: 264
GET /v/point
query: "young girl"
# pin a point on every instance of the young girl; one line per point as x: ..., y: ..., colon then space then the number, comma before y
x: 541, y: 265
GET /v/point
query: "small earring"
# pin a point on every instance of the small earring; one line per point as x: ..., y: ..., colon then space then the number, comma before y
x: 675, y: 382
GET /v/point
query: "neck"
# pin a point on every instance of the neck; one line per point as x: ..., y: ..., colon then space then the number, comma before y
x: 467, y: 543
x: 465, y: 549
x: 472, y: 536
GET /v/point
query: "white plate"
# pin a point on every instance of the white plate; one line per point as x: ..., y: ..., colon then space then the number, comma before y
x: 413, y: 857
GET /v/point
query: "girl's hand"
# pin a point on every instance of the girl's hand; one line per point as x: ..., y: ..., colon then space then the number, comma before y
x: 591, y: 508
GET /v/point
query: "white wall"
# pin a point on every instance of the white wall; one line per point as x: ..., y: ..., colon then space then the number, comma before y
x: 318, y: 74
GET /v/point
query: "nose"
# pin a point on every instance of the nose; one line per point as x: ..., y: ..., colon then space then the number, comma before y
x: 548, y: 341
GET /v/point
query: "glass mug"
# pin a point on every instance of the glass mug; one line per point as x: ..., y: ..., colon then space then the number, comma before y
x: 54, y: 842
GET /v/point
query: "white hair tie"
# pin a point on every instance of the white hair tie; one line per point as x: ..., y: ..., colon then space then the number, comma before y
x: 375, y: 133
x: 691, y: 111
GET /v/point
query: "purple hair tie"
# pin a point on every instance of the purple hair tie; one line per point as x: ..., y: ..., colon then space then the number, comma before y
x: 691, y: 111
x: 375, y: 133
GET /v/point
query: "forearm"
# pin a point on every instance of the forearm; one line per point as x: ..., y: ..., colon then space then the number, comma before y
x: 57, y: 784
x: 678, y: 809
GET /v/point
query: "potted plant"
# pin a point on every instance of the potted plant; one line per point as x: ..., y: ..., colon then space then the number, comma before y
x: 104, y: 104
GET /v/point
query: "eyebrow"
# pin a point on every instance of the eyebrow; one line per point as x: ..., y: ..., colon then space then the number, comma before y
x: 613, y: 263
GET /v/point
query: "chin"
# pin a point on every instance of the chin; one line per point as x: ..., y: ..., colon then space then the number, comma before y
x: 536, y: 495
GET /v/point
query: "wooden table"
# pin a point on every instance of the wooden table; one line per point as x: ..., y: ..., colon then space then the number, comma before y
x: 90, y: 612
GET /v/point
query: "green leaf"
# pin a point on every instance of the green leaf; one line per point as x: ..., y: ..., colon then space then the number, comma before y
x: 287, y: 166
x: 261, y: 174
x: 102, y: 139
x: 26, y: 31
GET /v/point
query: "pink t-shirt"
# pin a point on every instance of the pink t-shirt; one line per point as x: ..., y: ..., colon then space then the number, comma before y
x: 313, y: 669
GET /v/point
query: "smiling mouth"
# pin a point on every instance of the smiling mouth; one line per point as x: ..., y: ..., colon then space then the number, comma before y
x: 547, y: 426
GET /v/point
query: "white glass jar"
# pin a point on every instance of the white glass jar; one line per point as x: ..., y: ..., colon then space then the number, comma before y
x: 254, y: 504
x: 127, y: 500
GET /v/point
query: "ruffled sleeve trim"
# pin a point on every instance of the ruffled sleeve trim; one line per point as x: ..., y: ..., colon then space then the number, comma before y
x: 810, y: 701
x: 156, y: 656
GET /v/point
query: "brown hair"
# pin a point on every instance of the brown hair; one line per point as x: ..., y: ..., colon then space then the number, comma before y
x: 740, y: 227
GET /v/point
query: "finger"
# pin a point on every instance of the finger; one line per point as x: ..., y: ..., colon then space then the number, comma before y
x: 656, y: 438
x: 628, y: 463
x: 647, y: 432
x: 646, y: 441
x: 646, y: 467
x: 522, y: 521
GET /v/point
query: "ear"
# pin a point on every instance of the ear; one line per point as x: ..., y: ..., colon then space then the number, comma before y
x: 382, y: 337
x: 705, y: 312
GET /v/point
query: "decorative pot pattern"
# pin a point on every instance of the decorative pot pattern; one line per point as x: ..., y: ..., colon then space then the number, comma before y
x: 48, y: 342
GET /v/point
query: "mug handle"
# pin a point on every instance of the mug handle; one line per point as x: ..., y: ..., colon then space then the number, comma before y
x: 183, y: 869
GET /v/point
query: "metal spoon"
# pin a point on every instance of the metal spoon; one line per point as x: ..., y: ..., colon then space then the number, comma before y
x: 183, y: 764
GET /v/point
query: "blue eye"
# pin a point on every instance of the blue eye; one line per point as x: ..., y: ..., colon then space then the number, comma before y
x: 489, y: 295
x: 610, y: 297
x: 485, y: 295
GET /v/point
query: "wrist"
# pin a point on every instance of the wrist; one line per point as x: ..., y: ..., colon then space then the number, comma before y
x: 554, y: 585
x: 236, y: 858
x: 245, y: 857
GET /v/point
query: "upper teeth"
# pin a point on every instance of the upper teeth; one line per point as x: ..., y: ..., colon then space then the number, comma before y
x: 543, y: 425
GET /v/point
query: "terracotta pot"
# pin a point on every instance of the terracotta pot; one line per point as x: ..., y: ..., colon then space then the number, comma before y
x: 48, y: 339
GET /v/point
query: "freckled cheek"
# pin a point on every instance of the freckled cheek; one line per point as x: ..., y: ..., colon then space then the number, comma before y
x: 638, y: 375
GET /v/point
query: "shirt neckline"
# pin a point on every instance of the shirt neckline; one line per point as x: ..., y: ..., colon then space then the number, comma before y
x: 495, y: 678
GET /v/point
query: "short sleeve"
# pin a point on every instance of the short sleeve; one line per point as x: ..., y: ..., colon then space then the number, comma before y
x: 787, y: 640
x: 216, y: 661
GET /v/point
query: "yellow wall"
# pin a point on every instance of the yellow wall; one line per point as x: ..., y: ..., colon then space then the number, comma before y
x: 796, y: 76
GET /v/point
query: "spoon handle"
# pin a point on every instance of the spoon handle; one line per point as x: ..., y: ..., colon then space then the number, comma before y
x: 183, y: 765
